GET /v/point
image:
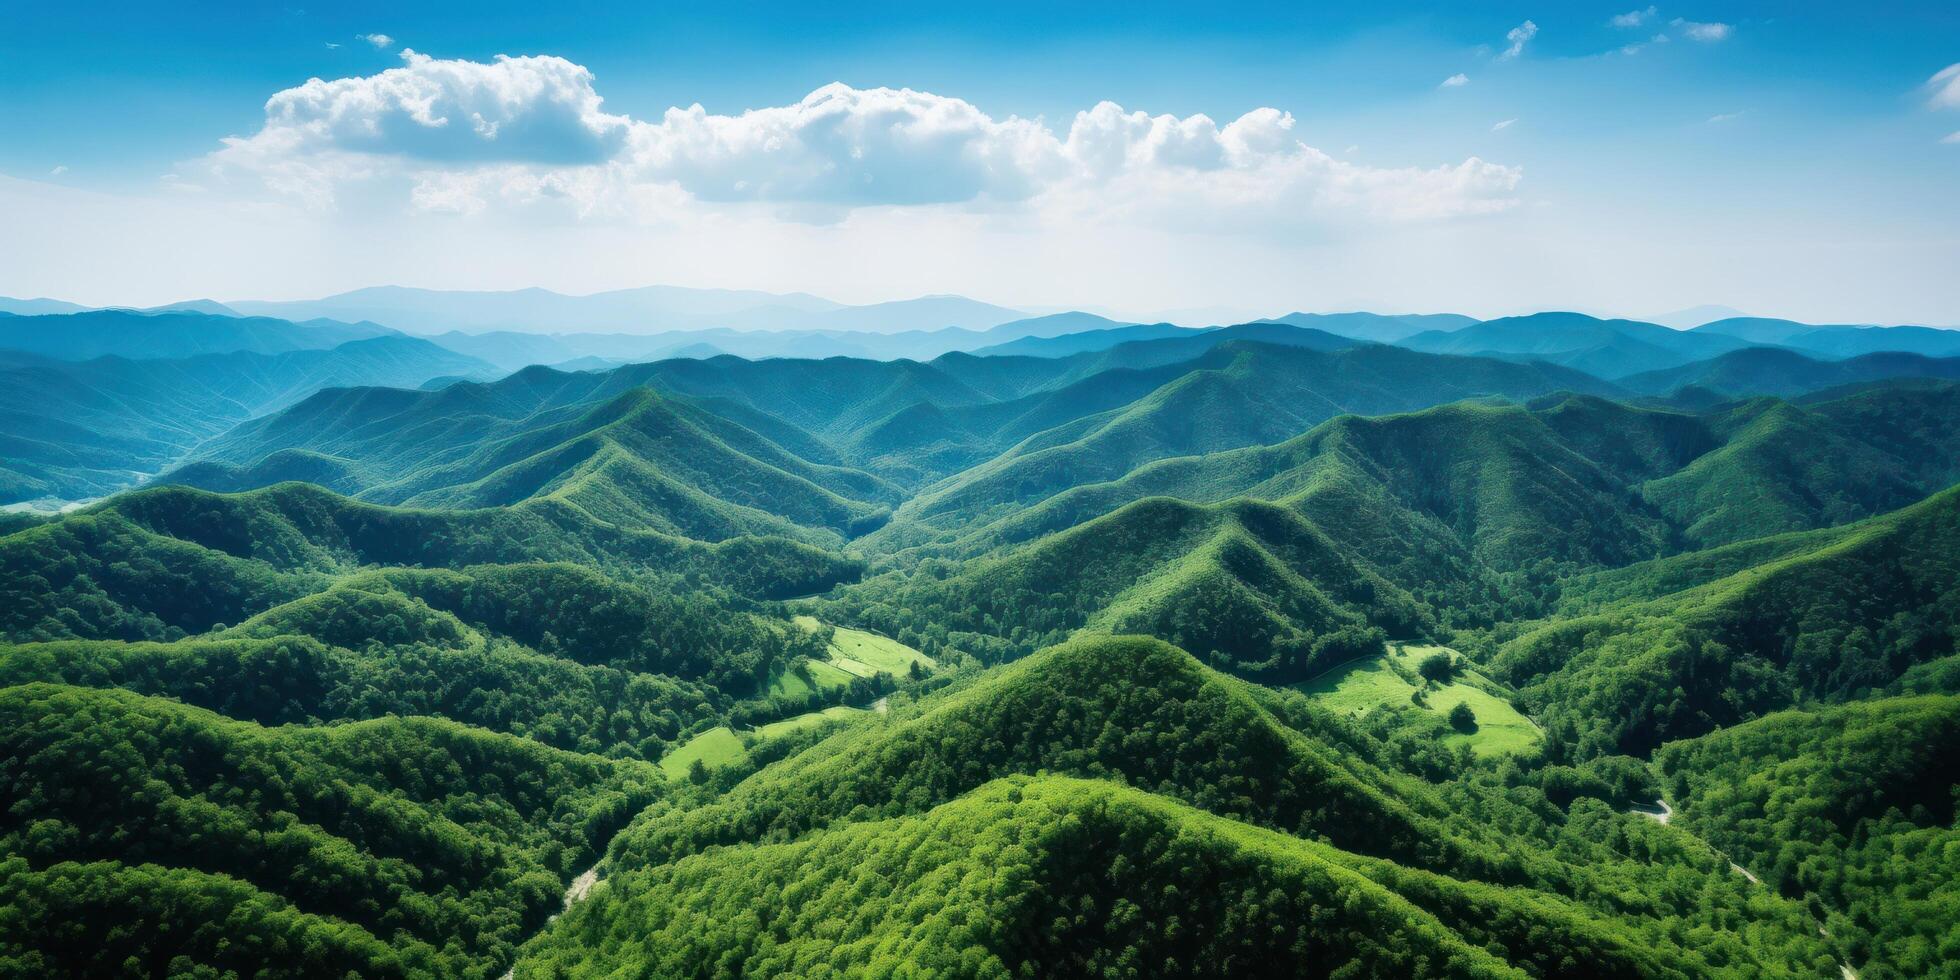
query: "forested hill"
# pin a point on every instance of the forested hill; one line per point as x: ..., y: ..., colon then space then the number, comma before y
x: 1272, y: 648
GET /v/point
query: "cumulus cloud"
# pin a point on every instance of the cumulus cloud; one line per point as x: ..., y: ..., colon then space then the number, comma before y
x: 1457, y: 80
x: 537, y: 109
x: 1705, y: 33
x: 459, y: 137
x: 1501, y: 125
x: 1953, y: 137
x: 58, y: 170
x: 1943, y: 89
x: 1633, y: 18
x: 381, y: 42
x: 1518, y: 37
x: 841, y: 145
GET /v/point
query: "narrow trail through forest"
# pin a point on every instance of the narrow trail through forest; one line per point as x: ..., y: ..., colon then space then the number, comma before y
x: 1661, y: 813
x: 576, y: 892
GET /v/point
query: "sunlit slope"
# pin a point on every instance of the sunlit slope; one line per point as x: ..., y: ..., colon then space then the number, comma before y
x: 164, y: 562
x: 412, y: 832
x: 1240, y: 394
x: 1830, y: 614
x: 1853, y: 804
x: 1248, y: 586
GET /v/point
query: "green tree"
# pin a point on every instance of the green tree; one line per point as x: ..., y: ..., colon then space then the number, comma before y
x: 1437, y: 668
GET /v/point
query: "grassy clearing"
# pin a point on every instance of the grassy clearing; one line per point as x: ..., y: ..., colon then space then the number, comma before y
x: 822, y: 676
x: 1359, y: 686
x: 863, y: 654
x: 788, y: 725
x: 714, y: 747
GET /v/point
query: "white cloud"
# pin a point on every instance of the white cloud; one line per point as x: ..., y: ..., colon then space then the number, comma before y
x: 381, y: 42
x: 331, y: 45
x: 1501, y: 125
x: 58, y: 170
x: 1633, y: 18
x: 1943, y: 89
x: 1725, y: 117
x: 1953, y: 137
x: 460, y: 137
x: 846, y: 146
x: 1519, y: 36
x: 1705, y: 33
x: 1457, y: 80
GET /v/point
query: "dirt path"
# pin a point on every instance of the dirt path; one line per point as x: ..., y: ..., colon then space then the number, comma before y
x: 575, y: 893
x: 581, y: 887
x: 1661, y: 813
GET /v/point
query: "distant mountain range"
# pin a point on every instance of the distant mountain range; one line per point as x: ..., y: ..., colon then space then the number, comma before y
x: 646, y: 310
x: 80, y: 428
x: 138, y: 397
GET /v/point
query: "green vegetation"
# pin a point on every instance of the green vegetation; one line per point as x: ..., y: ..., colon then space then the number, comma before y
x: 1060, y: 665
x: 1400, y: 678
x: 443, y: 842
x: 1849, y: 809
x: 863, y: 654
x: 717, y: 746
x: 1840, y: 615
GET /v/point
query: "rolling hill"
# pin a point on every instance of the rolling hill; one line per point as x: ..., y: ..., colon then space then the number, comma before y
x: 1238, y: 394
x: 1787, y: 373
x: 1830, y: 614
x: 1611, y: 349
x: 879, y: 815
x: 78, y: 429
x: 137, y: 812
x: 1838, y: 340
x: 1144, y: 650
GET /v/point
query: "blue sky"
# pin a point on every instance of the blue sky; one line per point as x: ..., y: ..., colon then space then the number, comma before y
x: 1784, y: 159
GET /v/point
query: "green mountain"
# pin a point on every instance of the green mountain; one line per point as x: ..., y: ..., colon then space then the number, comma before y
x: 157, y: 564
x: 1147, y: 651
x: 370, y: 847
x: 1077, y: 342
x: 1681, y: 646
x: 1247, y: 586
x: 1238, y: 394
x: 1607, y: 348
x: 1783, y: 467
x: 78, y: 429
x: 1787, y: 373
x: 1850, y: 807
x: 1838, y: 340
x: 1163, y: 784
x: 1112, y: 864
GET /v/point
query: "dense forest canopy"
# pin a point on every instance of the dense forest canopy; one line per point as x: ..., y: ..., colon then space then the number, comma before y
x: 1328, y: 646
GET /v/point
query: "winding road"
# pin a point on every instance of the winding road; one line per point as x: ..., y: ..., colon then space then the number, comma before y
x: 1661, y: 813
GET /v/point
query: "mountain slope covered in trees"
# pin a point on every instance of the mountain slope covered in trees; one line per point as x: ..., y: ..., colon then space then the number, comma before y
x: 1118, y: 650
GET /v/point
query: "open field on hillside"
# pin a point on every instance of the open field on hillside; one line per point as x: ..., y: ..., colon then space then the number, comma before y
x: 862, y: 654
x: 1390, y: 679
x: 717, y: 746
